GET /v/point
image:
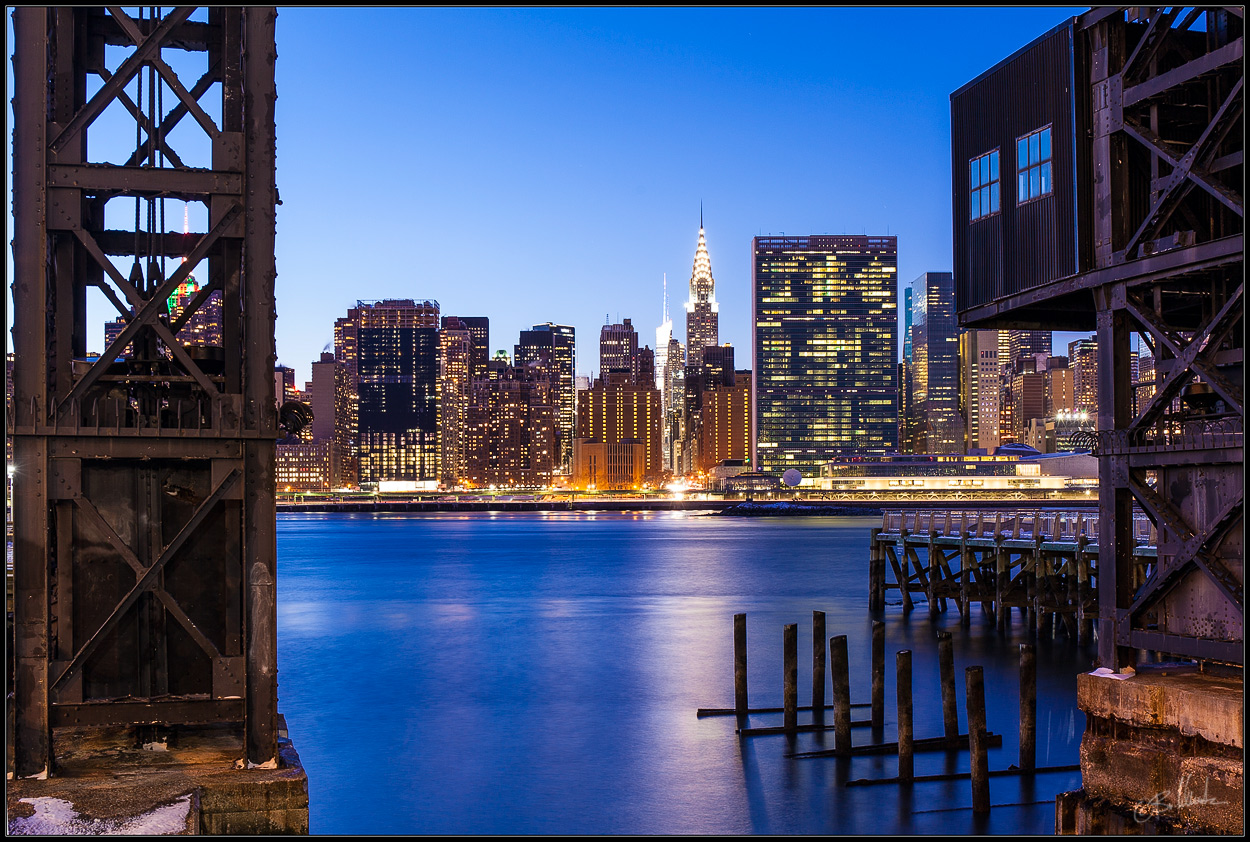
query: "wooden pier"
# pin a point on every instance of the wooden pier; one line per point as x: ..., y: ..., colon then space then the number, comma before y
x: 1042, y: 562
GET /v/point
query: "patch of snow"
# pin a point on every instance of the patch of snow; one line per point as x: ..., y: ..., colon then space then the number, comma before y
x: 271, y: 763
x: 57, y: 817
x: 1104, y: 672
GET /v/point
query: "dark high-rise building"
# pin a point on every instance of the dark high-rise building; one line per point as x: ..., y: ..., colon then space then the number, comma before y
x: 702, y: 311
x: 825, y: 348
x: 936, y: 425
x: 907, y: 324
x: 673, y: 404
x: 390, y: 349
x: 556, y: 346
x: 618, y: 348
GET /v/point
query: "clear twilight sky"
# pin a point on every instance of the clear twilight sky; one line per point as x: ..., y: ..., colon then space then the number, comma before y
x: 534, y: 165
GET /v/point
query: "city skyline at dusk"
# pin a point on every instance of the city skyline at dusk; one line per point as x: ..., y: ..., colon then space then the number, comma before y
x: 548, y: 165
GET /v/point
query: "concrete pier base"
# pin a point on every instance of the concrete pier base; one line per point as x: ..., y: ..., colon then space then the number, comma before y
x: 1162, y: 753
x: 192, y: 783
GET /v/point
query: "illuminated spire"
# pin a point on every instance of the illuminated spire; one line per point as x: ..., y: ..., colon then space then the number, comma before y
x: 702, y: 284
x: 666, y: 297
x: 186, y: 223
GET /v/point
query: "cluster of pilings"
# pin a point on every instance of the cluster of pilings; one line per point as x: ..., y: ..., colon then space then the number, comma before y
x: 1043, y: 564
x: 977, y: 740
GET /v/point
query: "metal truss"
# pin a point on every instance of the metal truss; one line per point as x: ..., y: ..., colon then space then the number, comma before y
x: 1168, y: 144
x: 143, y: 502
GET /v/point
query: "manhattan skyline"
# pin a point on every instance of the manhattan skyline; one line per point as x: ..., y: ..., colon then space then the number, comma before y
x: 536, y: 165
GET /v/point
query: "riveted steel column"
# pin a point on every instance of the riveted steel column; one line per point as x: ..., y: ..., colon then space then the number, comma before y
x: 31, y: 551
x: 259, y: 409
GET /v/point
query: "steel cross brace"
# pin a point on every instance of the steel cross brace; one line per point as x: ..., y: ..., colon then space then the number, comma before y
x: 144, y: 581
x: 132, y: 31
x: 143, y: 54
x: 1188, y: 169
x: 92, y: 516
x: 147, y: 314
x: 1191, y: 357
x: 1195, y: 547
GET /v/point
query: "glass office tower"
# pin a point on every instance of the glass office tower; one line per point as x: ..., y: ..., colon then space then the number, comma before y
x: 825, y: 349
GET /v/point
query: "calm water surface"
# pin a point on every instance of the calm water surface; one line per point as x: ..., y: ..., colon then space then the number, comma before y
x: 540, y: 672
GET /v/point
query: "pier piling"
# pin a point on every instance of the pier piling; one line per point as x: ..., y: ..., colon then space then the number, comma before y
x: 902, y: 661
x: 1028, y: 706
x: 790, y: 660
x: 818, y: 665
x: 740, y: 664
x: 946, y: 667
x: 975, y: 688
x: 839, y: 662
x: 878, y: 674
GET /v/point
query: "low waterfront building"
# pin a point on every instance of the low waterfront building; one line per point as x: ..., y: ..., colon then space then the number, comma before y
x: 751, y: 482
x: 609, y: 466
x: 1012, y: 468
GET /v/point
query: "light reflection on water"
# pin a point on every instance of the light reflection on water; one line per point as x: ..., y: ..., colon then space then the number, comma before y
x: 539, y: 673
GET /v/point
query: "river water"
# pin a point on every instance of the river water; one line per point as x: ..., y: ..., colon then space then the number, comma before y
x: 527, y: 673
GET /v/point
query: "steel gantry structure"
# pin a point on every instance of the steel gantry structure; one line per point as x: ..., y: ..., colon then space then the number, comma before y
x: 143, y: 500
x: 1151, y: 193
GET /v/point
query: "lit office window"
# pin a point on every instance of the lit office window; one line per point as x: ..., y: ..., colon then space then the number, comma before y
x: 1033, y: 176
x: 983, y: 186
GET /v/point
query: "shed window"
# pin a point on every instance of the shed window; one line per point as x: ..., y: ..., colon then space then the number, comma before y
x: 983, y: 186
x: 1033, y: 177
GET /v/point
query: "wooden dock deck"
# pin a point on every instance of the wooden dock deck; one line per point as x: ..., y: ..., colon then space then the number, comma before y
x: 1042, y: 562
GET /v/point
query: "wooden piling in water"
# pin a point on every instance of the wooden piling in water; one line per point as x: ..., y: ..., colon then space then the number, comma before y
x: 740, y: 664
x: 975, y: 688
x: 946, y: 672
x: 876, y: 572
x: 818, y: 665
x: 790, y: 663
x: 840, y: 663
x: 902, y: 661
x: 878, y: 674
x: 1028, y: 706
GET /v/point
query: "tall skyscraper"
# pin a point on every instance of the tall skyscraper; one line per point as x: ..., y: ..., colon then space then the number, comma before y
x: 663, y: 336
x: 455, y: 391
x: 825, y: 349
x: 390, y: 350
x: 934, y: 370
x: 674, y: 390
x: 980, y: 385
x: 1083, y: 354
x: 725, y: 423
x: 334, y: 418
x: 557, y: 344
x: 702, y: 311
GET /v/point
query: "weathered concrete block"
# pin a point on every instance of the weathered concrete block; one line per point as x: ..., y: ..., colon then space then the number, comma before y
x: 255, y: 823
x: 1195, y: 704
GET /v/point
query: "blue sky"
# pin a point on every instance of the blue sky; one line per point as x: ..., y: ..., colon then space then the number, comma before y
x: 536, y: 165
